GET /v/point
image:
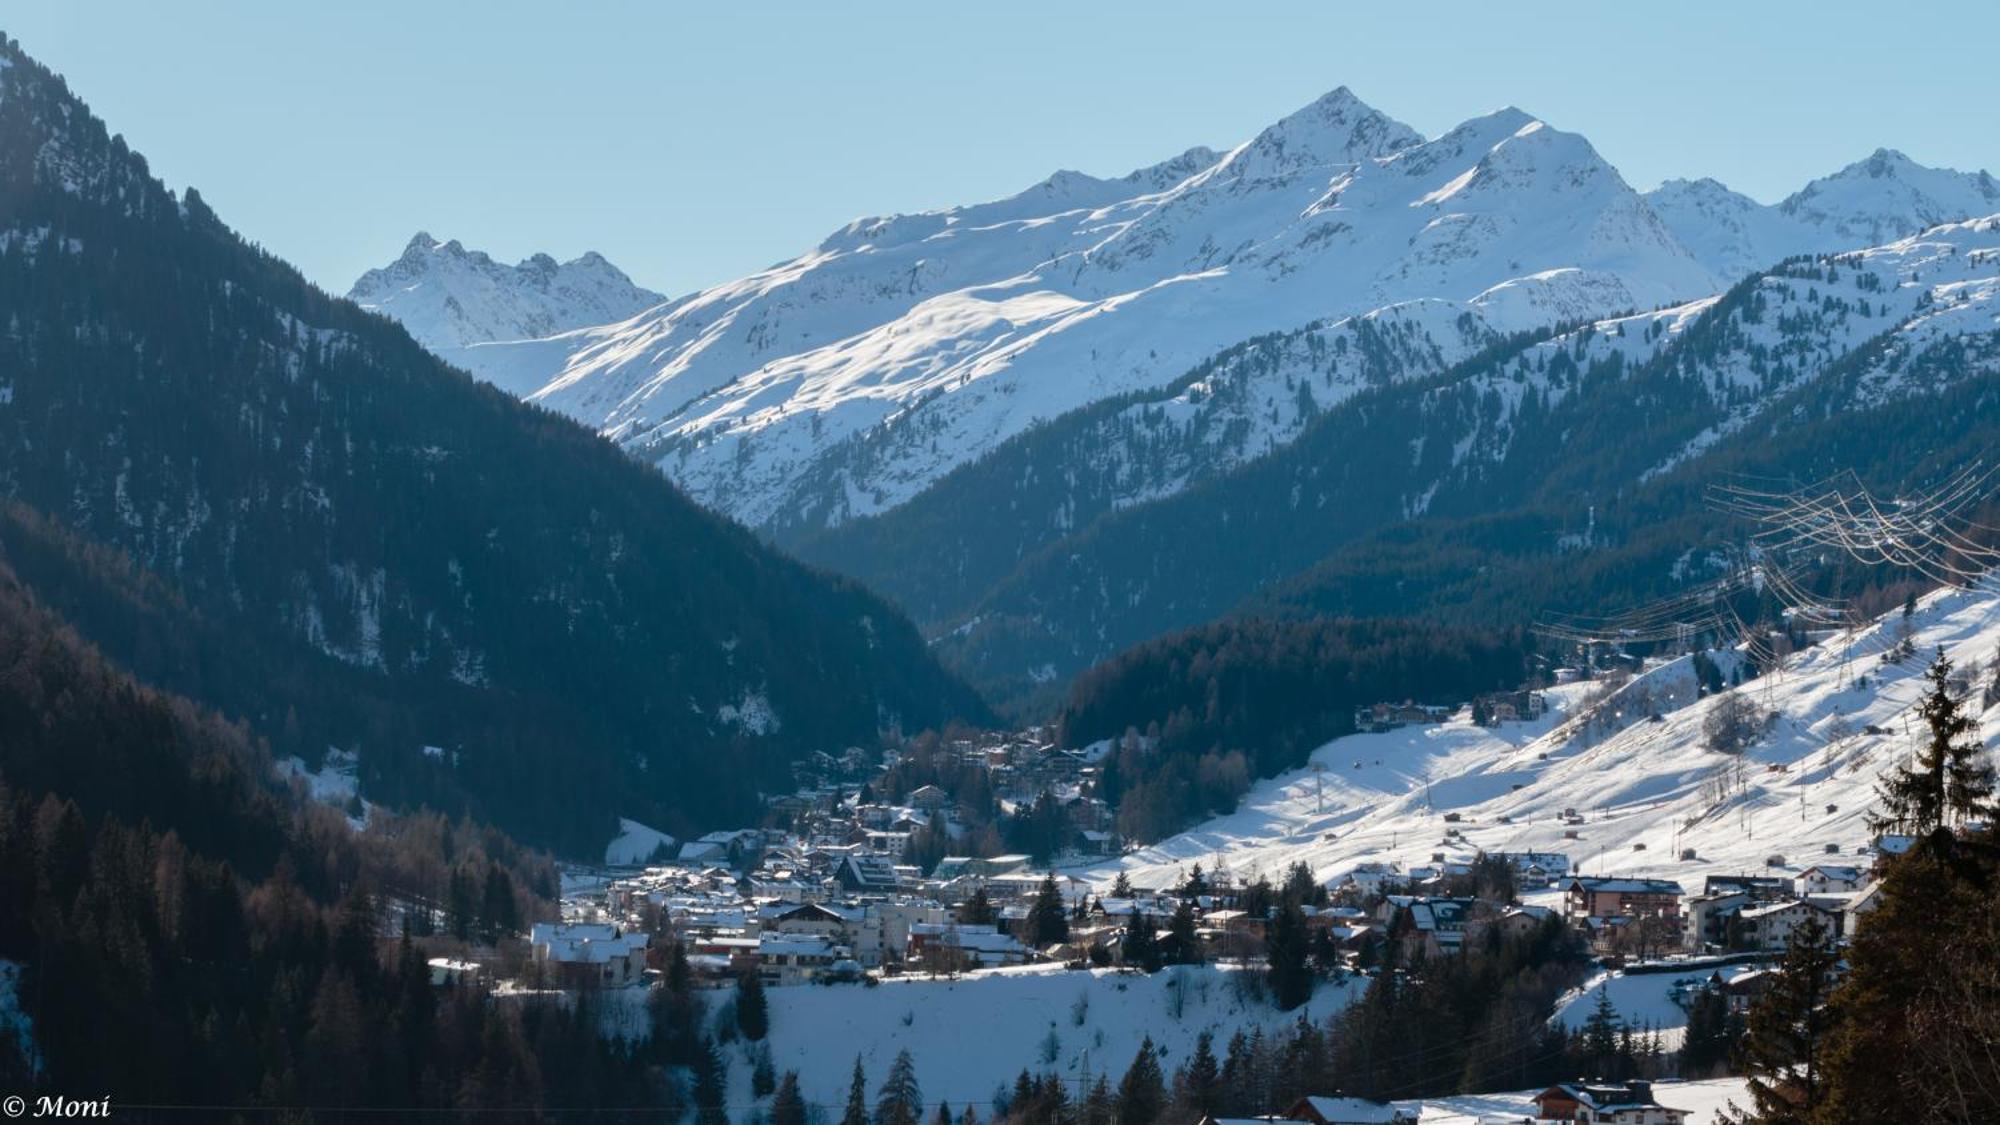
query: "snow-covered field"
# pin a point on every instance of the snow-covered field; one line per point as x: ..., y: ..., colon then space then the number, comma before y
x: 635, y: 843
x: 1645, y: 1000
x: 974, y: 1033
x: 1646, y: 791
x: 1705, y: 1100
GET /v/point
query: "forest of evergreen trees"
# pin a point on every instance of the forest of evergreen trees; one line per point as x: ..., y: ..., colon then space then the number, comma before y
x: 192, y: 934
x: 1200, y: 714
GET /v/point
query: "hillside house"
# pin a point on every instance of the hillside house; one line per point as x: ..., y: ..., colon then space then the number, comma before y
x: 1760, y: 888
x: 955, y: 947
x: 1825, y: 879
x: 1769, y: 925
x: 1709, y: 918
x: 1536, y: 869
x: 1601, y: 897
x: 1349, y: 1111
x: 589, y: 955
x: 1628, y: 1104
x: 1426, y: 927
x: 784, y: 959
x: 868, y: 874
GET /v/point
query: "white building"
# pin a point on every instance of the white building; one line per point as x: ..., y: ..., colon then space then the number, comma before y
x: 590, y: 954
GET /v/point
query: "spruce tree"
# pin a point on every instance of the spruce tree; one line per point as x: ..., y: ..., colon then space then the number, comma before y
x: 1099, y: 1108
x: 1142, y: 1094
x: 1286, y: 948
x: 1182, y: 946
x: 977, y: 910
x: 1600, y: 1036
x: 788, y: 1107
x: 1784, y: 1039
x: 1141, y: 947
x: 1201, y: 1081
x: 753, y: 1013
x: 1948, y: 783
x: 711, y: 1085
x: 1121, y: 887
x: 1048, y: 922
x: 900, y: 1101
x: 856, y: 1112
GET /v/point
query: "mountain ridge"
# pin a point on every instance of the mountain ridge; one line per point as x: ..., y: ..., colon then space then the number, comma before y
x: 392, y: 554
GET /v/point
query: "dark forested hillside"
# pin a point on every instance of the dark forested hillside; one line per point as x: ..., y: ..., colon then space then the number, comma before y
x: 1215, y: 707
x: 191, y: 935
x: 360, y: 547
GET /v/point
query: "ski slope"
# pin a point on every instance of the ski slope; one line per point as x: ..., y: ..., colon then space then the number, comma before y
x: 1638, y: 784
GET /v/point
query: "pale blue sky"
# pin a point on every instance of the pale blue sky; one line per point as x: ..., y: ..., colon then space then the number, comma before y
x: 691, y: 144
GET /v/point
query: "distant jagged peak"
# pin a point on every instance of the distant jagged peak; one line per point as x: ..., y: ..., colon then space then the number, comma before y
x: 1336, y: 128
x: 448, y: 296
x: 1887, y: 195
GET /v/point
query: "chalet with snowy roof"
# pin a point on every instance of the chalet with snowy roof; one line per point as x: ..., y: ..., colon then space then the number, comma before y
x: 1381, y: 717
x: 1760, y: 888
x: 784, y: 959
x: 1621, y: 897
x: 1769, y: 925
x: 1349, y: 1111
x: 951, y: 946
x: 1536, y: 869
x: 928, y: 798
x: 1628, y: 1104
x: 589, y: 955
x: 1427, y: 927
x: 867, y: 874
x: 1367, y: 878
x: 806, y: 919
x: 1823, y: 879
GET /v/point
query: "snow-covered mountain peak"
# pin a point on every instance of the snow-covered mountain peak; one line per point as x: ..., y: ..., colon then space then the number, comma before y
x: 449, y: 297
x: 1887, y: 195
x: 1336, y: 128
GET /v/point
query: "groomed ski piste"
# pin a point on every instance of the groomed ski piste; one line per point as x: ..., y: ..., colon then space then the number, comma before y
x: 1645, y: 787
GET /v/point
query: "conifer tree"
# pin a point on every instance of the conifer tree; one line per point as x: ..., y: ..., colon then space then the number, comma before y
x: 1181, y: 946
x: 1286, y: 949
x: 1099, y: 1108
x: 753, y: 1014
x: 1141, y: 947
x: 1142, y: 1094
x: 1121, y: 887
x: 788, y: 1106
x: 900, y: 1101
x: 977, y: 910
x: 1201, y: 1081
x: 1048, y: 922
x: 856, y: 1112
x: 711, y: 1085
x: 1601, y: 1036
x: 1948, y: 783
x: 1784, y: 1039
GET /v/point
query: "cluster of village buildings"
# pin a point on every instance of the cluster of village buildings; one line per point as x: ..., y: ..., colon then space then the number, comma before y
x: 765, y: 901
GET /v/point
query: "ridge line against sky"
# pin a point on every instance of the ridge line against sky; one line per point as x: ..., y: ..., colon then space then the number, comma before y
x: 692, y: 146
